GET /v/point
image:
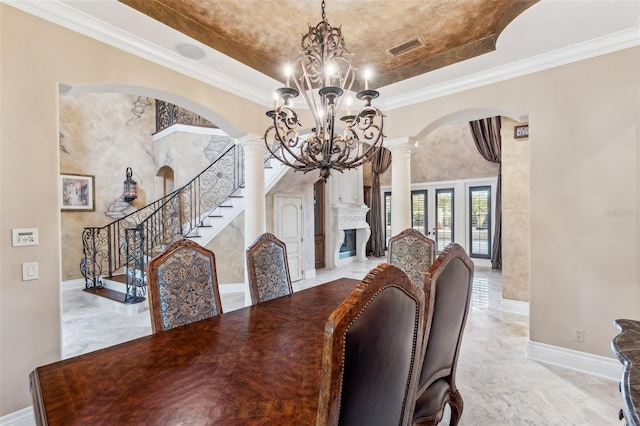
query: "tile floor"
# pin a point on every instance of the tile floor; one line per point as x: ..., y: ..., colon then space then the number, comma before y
x: 500, y: 386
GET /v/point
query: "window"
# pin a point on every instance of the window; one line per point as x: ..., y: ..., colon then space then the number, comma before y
x: 480, y: 221
x: 444, y: 218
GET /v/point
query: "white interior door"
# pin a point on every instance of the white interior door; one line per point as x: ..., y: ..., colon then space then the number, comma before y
x: 288, y: 228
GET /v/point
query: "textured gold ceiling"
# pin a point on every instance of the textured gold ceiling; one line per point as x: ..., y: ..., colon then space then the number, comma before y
x: 265, y: 34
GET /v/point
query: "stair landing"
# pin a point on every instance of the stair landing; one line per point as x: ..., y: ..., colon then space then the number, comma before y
x: 114, y: 300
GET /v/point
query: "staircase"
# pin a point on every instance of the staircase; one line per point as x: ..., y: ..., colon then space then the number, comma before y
x: 223, y: 215
x: 116, y: 255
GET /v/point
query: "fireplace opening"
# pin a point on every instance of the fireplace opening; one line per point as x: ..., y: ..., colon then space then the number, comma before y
x: 348, y: 248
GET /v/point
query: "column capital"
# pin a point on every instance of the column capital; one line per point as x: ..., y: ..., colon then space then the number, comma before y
x: 404, y: 142
x: 249, y: 139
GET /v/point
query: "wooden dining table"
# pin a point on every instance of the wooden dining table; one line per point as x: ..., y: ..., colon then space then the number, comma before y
x: 259, y: 365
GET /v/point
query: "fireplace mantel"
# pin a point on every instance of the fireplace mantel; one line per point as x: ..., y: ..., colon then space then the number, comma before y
x: 349, y: 216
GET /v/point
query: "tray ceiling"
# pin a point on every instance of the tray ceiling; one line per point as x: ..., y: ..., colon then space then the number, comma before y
x: 397, y: 39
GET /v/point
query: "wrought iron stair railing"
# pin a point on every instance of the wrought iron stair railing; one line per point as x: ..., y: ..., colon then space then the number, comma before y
x: 125, y: 245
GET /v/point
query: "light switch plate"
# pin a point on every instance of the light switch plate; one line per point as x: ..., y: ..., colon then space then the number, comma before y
x: 24, y: 237
x: 30, y: 271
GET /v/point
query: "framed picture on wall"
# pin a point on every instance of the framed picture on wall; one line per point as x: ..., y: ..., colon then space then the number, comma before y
x: 77, y: 193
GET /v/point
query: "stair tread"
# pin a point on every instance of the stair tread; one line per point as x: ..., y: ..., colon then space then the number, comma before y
x: 120, y: 278
x: 107, y: 293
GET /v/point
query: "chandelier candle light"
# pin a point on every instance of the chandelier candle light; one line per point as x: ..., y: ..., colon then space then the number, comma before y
x: 322, y: 73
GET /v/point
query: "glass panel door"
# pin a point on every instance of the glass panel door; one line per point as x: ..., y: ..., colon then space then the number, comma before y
x: 444, y: 218
x: 419, y: 205
x: 480, y: 221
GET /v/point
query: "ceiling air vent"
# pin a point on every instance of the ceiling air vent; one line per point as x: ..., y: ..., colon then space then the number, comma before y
x: 405, y: 47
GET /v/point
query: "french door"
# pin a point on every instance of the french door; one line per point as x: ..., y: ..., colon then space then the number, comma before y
x: 458, y: 211
x: 432, y: 213
x: 480, y: 221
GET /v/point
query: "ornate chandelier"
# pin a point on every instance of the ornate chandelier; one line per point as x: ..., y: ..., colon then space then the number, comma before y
x: 322, y: 73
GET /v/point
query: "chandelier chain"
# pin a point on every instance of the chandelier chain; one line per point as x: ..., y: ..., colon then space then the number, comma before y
x: 324, y: 15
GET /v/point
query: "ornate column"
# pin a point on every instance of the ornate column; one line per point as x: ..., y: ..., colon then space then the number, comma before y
x: 254, y: 197
x: 400, y: 183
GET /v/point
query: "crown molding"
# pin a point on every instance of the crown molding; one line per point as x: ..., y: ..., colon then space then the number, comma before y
x: 69, y: 17
x: 590, y: 49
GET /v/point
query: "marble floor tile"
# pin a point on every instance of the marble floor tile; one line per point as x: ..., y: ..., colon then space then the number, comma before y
x: 499, y: 384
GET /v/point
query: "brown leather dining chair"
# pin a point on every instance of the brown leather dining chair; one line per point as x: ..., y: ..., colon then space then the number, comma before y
x: 413, y: 252
x: 371, y: 341
x: 448, y: 286
x: 268, y: 269
x: 183, y: 286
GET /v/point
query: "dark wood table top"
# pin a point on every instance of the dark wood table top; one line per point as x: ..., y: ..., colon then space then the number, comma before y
x: 259, y: 365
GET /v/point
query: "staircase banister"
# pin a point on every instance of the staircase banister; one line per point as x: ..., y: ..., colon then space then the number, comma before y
x: 232, y: 147
x: 174, y: 215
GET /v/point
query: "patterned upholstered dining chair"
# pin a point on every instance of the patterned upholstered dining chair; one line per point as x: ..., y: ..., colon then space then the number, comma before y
x: 413, y: 252
x: 370, y: 356
x: 448, y: 287
x: 183, y: 286
x: 268, y: 269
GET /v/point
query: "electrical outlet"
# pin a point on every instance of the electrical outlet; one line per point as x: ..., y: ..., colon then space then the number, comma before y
x: 578, y: 334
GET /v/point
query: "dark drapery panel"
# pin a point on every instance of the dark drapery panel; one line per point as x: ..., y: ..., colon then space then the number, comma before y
x: 486, y: 135
x: 380, y: 162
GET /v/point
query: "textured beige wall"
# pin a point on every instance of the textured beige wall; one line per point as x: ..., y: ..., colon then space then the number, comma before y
x: 100, y: 136
x: 228, y: 247
x: 448, y: 153
x: 188, y: 153
x: 515, y: 214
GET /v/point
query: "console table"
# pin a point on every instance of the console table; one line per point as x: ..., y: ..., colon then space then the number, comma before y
x: 626, y: 347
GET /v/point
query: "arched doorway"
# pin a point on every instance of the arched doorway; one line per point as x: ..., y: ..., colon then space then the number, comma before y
x: 164, y: 184
x: 514, y: 203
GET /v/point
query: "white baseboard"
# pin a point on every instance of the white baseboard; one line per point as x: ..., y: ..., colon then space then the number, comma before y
x: 486, y: 263
x: 22, y: 417
x: 72, y: 284
x: 310, y: 273
x: 514, y: 306
x: 597, y: 365
x: 231, y: 288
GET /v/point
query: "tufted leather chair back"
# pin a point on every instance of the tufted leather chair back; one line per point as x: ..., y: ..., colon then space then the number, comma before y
x: 183, y: 286
x: 372, y: 339
x: 268, y: 269
x: 412, y: 252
